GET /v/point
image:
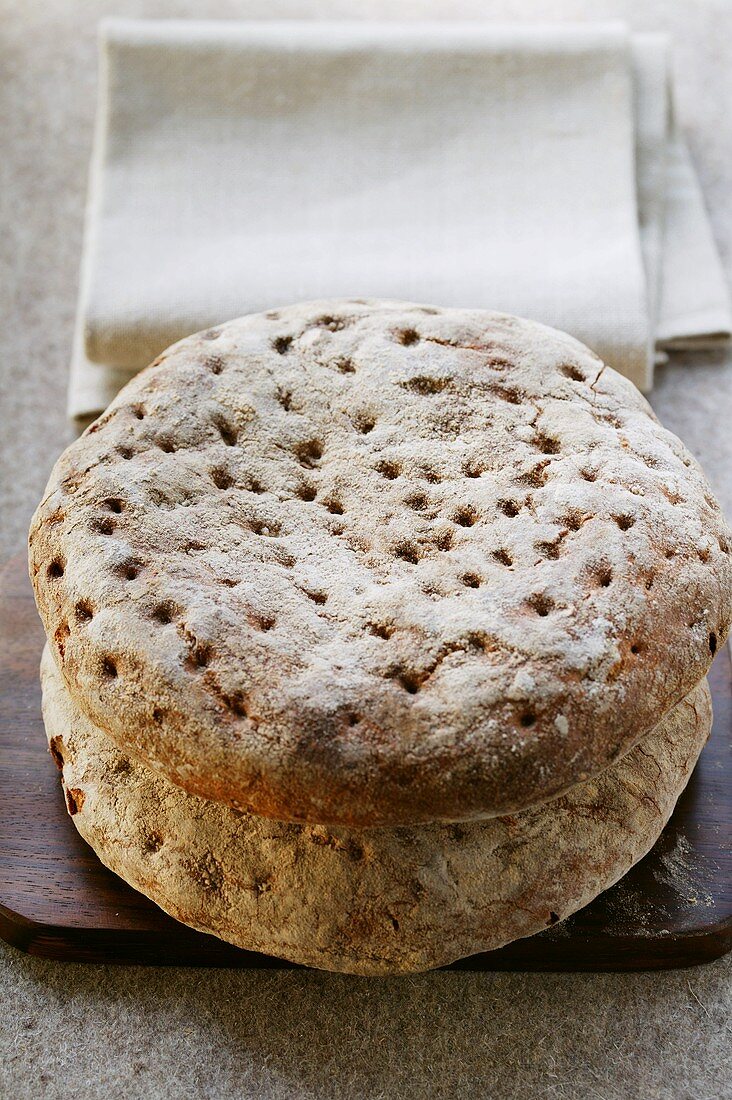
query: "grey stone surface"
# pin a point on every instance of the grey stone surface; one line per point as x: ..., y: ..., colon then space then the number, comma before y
x: 127, y: 1032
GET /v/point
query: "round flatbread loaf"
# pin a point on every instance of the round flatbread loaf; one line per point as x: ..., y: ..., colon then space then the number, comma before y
x: 374, y: 563
x: 376, y: 901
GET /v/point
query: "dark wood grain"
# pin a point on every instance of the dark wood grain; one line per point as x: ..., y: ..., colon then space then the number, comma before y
x: 59, y: 901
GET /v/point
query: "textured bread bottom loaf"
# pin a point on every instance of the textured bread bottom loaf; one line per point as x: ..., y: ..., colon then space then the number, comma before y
x: 377, y: 901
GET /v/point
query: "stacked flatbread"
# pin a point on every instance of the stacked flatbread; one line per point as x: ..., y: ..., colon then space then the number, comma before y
x: 377, y: 633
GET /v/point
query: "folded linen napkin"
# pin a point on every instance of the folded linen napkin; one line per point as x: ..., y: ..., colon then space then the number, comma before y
x: 536, y: 170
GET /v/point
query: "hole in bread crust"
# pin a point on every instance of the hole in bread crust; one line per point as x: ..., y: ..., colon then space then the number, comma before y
x: 443, y: 540
x: 228, y: 434
x: 513, y: 397
x: 534, y: 478
x: 237, y: 703
x: 221, y: 478
x: 269, y: 528
x: 55, y: 747
x: 364, y: 423
x: 226, y: 430
x: 712, y: 643
x: 309, y: 453
x: 103, y: 526
x: 333, y: 324
x: 164, y: 612
x: 503, y: 557
x: 407, y: 552
x: 410, y: 681
x: 83, y: 611
x: 316, y: 597
x: 572, y: 521
x: 429, y: 475
x: 201, y: 653
x: 465, y: 516
x: 549, y: 549
x: 130, y: 569
x: 389, y: 470
x: 381, y: 630
x: 541, y: 604
x: 408, y: 336
x: 152, y: 843
x: 109, y: 668
x: 74, y: 800
x: 56, y: 569
x: 282, y: 344
x: 425, y: 385
x: 547, y: 445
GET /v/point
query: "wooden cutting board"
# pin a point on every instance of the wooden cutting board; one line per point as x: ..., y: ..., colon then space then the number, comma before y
x: 57, y: 900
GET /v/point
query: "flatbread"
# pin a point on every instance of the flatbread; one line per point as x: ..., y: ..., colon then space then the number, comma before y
x: 375, y: 563
x: 376, y: 901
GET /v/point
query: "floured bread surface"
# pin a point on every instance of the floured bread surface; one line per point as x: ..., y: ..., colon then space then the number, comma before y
x: 376, y: 901
x: 375, y: 563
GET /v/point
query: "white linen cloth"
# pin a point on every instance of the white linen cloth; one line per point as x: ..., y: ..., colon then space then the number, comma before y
x: 241, y: 166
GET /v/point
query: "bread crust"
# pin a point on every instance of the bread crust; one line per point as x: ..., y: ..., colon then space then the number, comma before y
x: 376, y: 901
x: 376, y: 563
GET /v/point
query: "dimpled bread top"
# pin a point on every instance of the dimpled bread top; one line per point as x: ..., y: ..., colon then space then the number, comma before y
x: 370, y: 563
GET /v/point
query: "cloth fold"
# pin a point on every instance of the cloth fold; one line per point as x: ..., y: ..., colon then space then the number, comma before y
x: 532, y: 169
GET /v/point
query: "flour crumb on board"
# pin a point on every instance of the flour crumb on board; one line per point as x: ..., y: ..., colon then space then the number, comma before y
x: 685, y: 871
x: 631, y: 913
